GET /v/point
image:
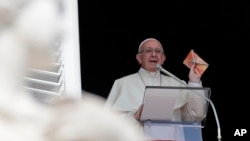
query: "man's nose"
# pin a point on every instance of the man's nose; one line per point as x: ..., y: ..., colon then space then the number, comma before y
x: 153, y: 53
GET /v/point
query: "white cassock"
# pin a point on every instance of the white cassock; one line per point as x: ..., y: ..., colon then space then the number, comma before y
x: 127, y: 94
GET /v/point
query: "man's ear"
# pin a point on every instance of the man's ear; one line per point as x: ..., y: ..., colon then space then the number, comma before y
x: 163, y: 58
x: 138, y: 58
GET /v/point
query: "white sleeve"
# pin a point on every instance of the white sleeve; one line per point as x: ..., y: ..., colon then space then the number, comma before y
x: 195, y: 109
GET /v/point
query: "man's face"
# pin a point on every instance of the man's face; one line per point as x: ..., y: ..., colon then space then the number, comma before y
x: 150, y: 55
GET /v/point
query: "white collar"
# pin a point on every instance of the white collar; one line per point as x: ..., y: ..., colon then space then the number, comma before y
x: 146, y: 73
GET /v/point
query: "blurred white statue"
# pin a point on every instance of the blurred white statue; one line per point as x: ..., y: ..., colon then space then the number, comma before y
x: 29, y: 29
x: 89, y: 121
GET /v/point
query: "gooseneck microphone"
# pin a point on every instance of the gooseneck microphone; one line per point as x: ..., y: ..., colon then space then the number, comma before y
x: 207, y: 99
x: 170, y: 74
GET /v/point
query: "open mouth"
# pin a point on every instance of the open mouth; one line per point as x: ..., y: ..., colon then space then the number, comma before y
x: 153, y: 61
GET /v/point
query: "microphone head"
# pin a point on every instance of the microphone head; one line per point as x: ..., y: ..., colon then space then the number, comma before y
x: 158, y: 66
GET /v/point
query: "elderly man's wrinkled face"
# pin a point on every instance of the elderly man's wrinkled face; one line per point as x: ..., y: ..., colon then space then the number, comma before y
x: 150, y: 55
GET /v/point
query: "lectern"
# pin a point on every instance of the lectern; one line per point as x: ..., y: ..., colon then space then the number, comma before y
x: 174, y: 113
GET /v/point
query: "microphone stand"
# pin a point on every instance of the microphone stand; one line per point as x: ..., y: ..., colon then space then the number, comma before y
x: 213, y: 107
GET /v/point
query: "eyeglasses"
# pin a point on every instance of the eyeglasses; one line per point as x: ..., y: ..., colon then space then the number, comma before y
x: 150, y: 50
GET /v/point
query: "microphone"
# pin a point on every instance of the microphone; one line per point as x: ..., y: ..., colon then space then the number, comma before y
x: 170, y: 74
x: 207, y: 99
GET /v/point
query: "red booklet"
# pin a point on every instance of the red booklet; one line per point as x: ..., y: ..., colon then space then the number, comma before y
x: 200, y: 64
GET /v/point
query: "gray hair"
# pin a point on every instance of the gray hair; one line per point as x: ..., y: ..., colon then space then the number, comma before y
x: 141, y: 44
